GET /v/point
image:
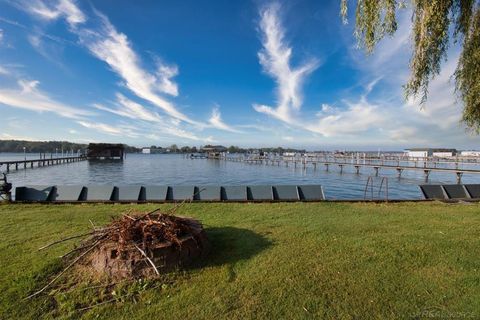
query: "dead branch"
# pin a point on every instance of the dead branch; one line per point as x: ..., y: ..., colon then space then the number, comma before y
x: 64, y: 239
x: 149, y: 260
x: 64, y: 270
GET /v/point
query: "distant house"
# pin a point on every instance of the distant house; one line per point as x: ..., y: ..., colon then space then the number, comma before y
x: 146, y: 150
x: 105, y: 151
x: 470, y: 153
x: 430, y: 152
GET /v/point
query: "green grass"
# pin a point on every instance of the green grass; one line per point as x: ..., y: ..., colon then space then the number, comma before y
x: 268, y: 261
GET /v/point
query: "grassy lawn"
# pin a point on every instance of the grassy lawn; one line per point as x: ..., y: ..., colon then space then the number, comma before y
x: 268, y: 261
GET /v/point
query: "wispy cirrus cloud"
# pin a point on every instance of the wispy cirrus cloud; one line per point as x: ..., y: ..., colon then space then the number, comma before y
x: 130, y: 109
x: 28, y: 96
x: 217, y: 122
x: 135, y: 111
x: 54, y: 10
x: 275, y: 58
x: 114, y: 48
x: 106, y: 43
x: 118, y: 129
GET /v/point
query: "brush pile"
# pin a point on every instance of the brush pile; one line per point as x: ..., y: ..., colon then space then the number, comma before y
x: 147, y: 245
x: 137, y: 246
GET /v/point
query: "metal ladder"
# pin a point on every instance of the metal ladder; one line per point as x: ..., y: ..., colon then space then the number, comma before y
x: 383, y: 182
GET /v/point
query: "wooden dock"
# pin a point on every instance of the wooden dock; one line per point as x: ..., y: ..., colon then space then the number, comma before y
x: 42, y: 162
x: 427, y: 166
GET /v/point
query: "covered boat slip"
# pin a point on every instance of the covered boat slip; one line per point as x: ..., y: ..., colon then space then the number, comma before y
x: 107, y: 193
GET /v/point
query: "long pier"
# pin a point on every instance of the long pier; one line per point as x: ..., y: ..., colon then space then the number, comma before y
x: 42, y: 162
x: 399, y: 164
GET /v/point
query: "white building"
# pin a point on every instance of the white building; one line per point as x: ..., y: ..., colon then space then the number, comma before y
x: 430, y: 152
x: 443, y: 154
x: 470, y: 153
x: 146, y: 150
x: 418, y: 153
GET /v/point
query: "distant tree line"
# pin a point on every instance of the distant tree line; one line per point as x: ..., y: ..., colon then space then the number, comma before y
x: 48, y: 146
x: 232, y: 149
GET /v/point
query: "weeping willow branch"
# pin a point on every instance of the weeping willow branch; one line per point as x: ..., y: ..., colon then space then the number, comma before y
x: 467, y: 75
x: 433, y: 22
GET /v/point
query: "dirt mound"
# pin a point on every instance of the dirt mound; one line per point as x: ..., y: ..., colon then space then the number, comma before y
x: 136, y: 246
x: 148, y: 245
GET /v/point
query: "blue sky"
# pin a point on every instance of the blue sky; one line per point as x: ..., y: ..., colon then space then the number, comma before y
x: 248, y: 73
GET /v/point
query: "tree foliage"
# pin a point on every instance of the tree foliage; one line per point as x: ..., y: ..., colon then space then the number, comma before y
x: 49, y: 147
x: 434, y: 21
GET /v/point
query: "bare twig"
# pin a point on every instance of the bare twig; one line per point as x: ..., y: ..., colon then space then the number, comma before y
x: 98, y: 304
x: 65, y: 239
x: 93, y: 226
x: 178, y: 205
x: 148, y: 214
x: 64, y: 270
x: 129, y: 217
x: 149, y: 260
x: 74, y: 250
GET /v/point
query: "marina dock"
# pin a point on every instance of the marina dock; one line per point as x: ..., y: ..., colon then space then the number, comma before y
x: 38, y: 163
x: 400, y: 164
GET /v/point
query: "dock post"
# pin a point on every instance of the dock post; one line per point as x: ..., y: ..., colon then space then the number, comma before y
x: 399, y: 171
x: 357, y: 169
x: 16, y: 165
x: 341, y: 168
x: 376, y: 170
x: 459, y: 177
x: 427, y: 173
x: 8, y: 167
x: 326, y: 166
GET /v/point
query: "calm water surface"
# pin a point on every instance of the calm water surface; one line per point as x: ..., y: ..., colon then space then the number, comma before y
x: 170, y: 169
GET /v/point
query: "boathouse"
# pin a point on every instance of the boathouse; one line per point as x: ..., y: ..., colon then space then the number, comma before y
x: 214, y: 152
x: 105, y: 151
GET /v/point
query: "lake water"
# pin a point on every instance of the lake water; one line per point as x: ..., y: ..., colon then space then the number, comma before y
x: 172, y: 169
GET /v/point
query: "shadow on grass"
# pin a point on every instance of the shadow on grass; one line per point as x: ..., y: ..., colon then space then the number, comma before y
x: 229, y: 245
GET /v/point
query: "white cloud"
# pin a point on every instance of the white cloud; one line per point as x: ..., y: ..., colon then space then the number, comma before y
x: 71, y: 12
x: 356, y: 118
x: 114, y: 48
x: 3, y: 71
x: 275, y: 59
x: 29, y: 97
x: 1, y: 36
x: 165, y: 73
x: 7, y: 136
x: 61, y: 8
x: 114, y: 130
x: 217, y: 122
x: 130, y: 109
x: 133, y: 110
